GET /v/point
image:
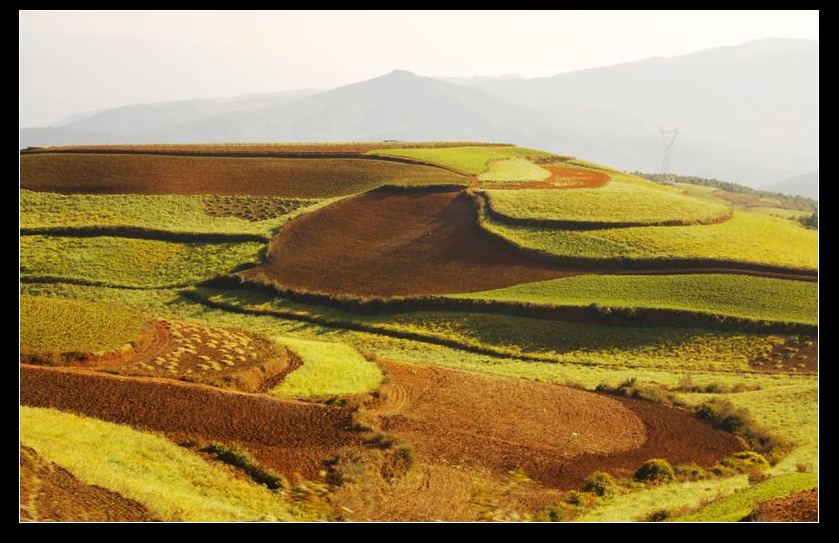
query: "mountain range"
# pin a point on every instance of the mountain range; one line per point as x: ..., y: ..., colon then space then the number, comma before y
x: 747, y: 113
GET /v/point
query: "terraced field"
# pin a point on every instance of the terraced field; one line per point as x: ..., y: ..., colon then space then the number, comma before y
x: 758, y: 298
x: 407, y: 331
x: 103, y: 173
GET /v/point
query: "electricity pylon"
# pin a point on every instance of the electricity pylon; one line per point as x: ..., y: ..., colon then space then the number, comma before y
x: 669, y: 137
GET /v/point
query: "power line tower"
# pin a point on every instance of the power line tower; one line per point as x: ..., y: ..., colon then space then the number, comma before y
x: 669, y: 137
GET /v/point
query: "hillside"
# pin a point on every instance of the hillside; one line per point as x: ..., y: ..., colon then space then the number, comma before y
x: 398, y: 331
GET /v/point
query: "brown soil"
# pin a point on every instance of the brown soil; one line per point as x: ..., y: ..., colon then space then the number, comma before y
x: 799, y: 507
x: 558, y: 435
x: 288, y: 436
x: 394, y: 244
x: 49, y: 493
x: 73, y: 173
x: 216, y: 356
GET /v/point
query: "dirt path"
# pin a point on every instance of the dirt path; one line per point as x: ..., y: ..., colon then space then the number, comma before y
x: 49, y: 493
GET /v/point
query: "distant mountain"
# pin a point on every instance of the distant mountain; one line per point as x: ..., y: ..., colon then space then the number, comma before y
x: 760, y: 99
x: 747, y: 113
x: 806, y: 184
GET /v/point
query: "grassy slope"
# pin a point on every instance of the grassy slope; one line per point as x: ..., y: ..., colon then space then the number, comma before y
x: 616, y: 202
x: 736, y: 506
x: 74, y: 326
x: 329, y: 369
x: 174, y: 484
x: 167, y: 213
x: 131, y: 262
x: 548, y: 340
x: 733, y: 295
x: 470, y: 159
x: 746, y: 237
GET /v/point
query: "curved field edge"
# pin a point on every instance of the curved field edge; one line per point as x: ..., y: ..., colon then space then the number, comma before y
x: 495, y: 335
x: 745, y: 297
x: 617, y: 205
x: 527, y: 300
x: 735, y: 507
x: 174, y: 484
x: 328, y: 370
x: 597, y: 249
x: 469, y: 159
x: 60, y: 326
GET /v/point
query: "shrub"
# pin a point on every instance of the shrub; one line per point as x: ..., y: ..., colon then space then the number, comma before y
x: 724, y: 415
x: 655, y: 470
x: 746, y: 462
x: 601, y: 484
x: 242, y: 460
x: 691, y: 472
x: 659, y: 515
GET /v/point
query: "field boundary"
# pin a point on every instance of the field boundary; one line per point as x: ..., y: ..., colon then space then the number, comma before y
x: 139, y: 232
x: 641, y: 265
x: 498, y: 216
x: 53, y: 279
x: 592, y: 313
x: 341, y: 324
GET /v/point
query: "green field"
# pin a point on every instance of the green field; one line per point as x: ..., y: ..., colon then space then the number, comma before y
x: 58, y: 325
x: 513, y: 169
x: 165, y: 213
x: 173, y: 483
x: 329, y: 369
x: 472, y: 159
x: 537, y: 339
x: 132, y: 263
x: 616, y: 202
x: 746, y: 237
x: 758, y: 298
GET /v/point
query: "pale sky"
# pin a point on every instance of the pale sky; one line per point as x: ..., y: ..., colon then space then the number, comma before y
x: 72, y: 62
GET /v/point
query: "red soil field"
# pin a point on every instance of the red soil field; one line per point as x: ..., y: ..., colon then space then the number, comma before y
x: 385, y: 243
x: 799, y: 507
x: 558, y: 435
x: 160, y: 174
x: 49, y: 493
x: 564, y: 178
x: 288, y: 436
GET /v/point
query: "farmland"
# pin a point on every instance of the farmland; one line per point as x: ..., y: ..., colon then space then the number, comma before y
x: 56, y: 325
x: 186, y: 175
x: 471, y: 159
x: 616, y: 202
x: 224, y: 215
x: 346, y: 332
x: 745, y: 238
x: 130, y: 263
x: 760, y: 298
